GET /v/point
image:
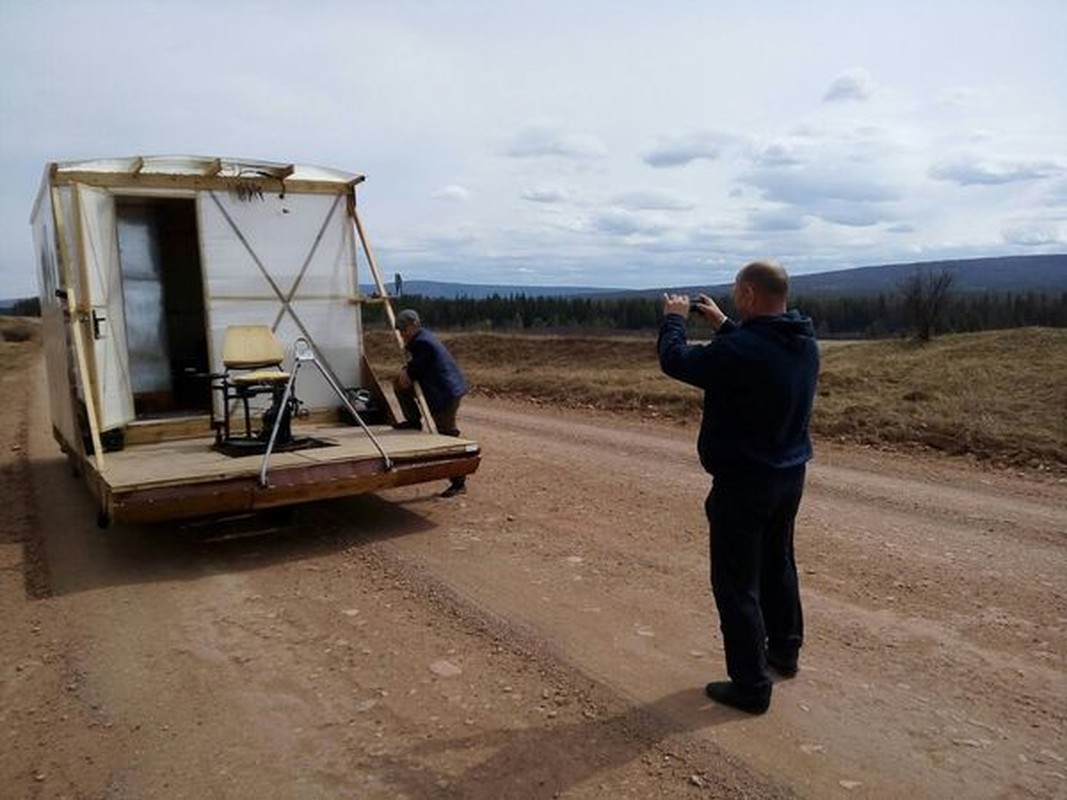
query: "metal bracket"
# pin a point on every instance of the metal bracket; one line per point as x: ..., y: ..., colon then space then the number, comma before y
x: 303, y: 353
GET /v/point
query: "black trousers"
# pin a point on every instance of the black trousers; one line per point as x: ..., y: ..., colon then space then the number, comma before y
x: 444, y: 418
x: 753, y: 569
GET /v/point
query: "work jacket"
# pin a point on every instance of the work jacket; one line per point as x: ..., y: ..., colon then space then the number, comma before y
x: 433, y: 366
x: 759, y: 381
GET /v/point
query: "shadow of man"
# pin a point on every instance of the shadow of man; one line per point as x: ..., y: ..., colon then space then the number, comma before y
x: 544, y: 761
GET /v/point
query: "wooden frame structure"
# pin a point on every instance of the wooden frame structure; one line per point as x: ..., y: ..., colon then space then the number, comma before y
x: 144, y: 262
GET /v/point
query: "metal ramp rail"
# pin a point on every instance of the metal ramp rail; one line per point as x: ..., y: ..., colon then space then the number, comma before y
x: 304, y: 353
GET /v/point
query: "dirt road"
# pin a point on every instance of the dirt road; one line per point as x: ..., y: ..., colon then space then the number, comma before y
x: 547, y: 635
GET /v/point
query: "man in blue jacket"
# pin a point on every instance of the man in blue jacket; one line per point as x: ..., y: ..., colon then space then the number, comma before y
x: 758, y: 377
x: 443, y: 385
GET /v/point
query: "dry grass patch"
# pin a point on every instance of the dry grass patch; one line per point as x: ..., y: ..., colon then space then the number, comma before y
x: 999, y: 395
x: 605, y: 373
x: 19, y: 340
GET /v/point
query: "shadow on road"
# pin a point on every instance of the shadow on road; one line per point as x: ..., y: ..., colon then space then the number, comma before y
x: 67, y: 553
x: 18, y: 526
x: 546, y: 761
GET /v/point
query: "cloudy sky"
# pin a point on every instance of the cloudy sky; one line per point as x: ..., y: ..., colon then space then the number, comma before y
x: 590, y: 142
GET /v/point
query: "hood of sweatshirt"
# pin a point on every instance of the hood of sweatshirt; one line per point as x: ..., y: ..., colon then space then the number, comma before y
x: 790, y: 330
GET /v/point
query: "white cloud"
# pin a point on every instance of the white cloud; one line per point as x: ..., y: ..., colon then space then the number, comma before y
x: 900, y: 227
x: 777, y: 220
x: 853, y: 84
x: 959, y: 98
x: 453, y: 192
x: 778, y: 154
x: 853, y: 215
x: 545, y: 194
x: 1033, y: 236
x: 546, y: 139
x: 653, y: 199
x: 626, y: 223
x: 818, y: 182
x: 968, y: 170
x: 1057, y: 194
x: 681, y: 150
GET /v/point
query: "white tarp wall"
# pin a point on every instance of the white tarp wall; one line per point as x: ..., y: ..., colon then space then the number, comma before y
x: 106, y: 327
x: 288, y: 262
x: 53, y: 326
x: 284, y: 259
x: 92, y: 279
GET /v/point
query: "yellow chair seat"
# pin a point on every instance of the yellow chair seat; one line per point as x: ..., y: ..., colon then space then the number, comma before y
x: 251, y: 346
x: 252, y: 358
x: 259, y: 376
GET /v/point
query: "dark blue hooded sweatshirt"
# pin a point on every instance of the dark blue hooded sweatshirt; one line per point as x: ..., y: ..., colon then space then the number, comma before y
x: 432, y: 365
x: 759, y: 382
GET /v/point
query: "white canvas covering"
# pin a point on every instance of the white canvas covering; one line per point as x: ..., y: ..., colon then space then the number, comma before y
x: 54, y: 329
x: 290, y: 267
x: 283, y: 254
x: 99, y: 262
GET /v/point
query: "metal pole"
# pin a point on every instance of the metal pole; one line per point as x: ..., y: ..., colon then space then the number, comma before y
x: 277, y: 423
x: 302, y: 352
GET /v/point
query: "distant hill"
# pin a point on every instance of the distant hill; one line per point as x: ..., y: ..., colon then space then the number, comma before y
x: 1045, y: 273
x: 1010, y: 274
x: 1019, y: 274
x: 1041, y: 273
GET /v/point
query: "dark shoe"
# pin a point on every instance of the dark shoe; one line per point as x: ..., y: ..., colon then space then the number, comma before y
x: 785, y: 666
x: 754, y: 701
x: 407, y: 425
x: 454, y: 489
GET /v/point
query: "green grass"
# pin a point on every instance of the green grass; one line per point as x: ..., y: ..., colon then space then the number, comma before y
x: 1000, y: 396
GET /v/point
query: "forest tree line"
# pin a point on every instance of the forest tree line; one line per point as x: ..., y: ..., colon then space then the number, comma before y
x: 843, y: 316
x: 26, y: 307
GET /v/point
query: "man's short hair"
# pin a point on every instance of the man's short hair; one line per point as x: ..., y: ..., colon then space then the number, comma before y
x: 768, y: 277
x: 408, y: 316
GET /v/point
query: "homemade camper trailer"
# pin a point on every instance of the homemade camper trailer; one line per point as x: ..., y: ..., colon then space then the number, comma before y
x: 203, y: 334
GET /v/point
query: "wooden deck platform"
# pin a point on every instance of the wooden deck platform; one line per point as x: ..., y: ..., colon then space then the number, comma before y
x: 189, y: 477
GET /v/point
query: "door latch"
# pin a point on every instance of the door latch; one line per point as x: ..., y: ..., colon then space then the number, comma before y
x: 97, y: 319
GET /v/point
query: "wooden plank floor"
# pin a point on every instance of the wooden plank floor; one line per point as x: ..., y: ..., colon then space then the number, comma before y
x: 186, y: 461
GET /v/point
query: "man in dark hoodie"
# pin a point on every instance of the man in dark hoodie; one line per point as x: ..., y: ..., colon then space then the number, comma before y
x: 758, y: 377
x: 443, y: 385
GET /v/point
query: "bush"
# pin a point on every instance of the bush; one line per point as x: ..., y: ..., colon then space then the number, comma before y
x: 17, y: 333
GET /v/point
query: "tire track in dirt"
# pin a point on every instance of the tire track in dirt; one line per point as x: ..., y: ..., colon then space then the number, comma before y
x: 16, y: 493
